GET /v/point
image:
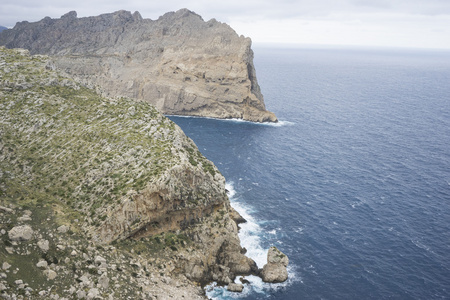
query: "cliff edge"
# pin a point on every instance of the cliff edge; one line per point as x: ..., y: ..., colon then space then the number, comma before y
x: 103, y: 197
x: 179, y: 63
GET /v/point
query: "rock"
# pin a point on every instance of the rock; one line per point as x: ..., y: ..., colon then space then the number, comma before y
x: 209, y: 72
x: 93, y: 293
x: 237, y: 217
x: 6, y: 209
x: 275, y: 269
x: 81, y: 294
x: 73, y: 253
x: 42, y: 264
x: 6, y: 266
x: 26, y: 216
x: 21, y: 233
x: 103, y: 281
x: 50, y: 274
x: 63, y: 229
x: 99, y: 260
x: 235, y: 287
x: 43, y: 245
x: 18, y: 282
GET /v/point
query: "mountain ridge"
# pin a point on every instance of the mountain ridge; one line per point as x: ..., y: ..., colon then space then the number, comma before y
x: 179, y: 63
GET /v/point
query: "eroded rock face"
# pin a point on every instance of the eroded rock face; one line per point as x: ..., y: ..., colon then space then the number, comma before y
x: 121, y: 172
x: 179, y: 63
x: 275, y: 269
x: 21, y: 233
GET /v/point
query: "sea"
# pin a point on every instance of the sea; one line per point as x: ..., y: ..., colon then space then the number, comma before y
x: 352, y: 183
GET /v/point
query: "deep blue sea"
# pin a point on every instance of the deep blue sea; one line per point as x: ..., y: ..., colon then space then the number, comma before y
x: 353, y: 184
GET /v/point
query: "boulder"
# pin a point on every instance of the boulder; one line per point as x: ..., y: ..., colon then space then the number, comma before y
x: 50, y: 274
x: 43, y: 245
x: 21, y: 233
x: 235, y: 287
x: 275, y: 269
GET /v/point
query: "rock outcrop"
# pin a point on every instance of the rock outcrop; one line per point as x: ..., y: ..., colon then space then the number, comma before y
x: 108, y: 192
x: 179, y: 63
x: 275, y: 269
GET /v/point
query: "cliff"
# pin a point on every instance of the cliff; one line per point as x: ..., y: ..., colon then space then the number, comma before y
x: 103, y: 197
x: 179, y: 63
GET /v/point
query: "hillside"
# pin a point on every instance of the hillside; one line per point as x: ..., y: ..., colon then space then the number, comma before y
x: 103, y: 197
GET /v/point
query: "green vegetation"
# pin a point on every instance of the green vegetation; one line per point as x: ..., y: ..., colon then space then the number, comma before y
x: 64, y: 144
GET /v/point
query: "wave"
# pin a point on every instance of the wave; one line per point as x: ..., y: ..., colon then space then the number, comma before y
x: 250, y: 234
x: 280, y: 123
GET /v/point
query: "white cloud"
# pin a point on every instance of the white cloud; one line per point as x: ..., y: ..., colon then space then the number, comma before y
x: 408, y: 23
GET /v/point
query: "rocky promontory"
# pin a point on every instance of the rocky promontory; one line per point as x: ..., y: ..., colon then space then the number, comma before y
x: 179, y: 63
x: 104, y: 198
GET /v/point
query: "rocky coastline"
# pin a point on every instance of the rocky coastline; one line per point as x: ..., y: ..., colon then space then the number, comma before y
x: 105, y: 198
x: 179, y: 63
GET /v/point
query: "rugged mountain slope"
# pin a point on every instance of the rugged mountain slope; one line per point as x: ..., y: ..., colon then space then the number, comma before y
x: 97, y: 193
x: 179, y: 63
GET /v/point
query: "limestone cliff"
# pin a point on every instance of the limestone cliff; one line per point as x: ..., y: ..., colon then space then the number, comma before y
x: 179, y: 63
x: 103, y: 196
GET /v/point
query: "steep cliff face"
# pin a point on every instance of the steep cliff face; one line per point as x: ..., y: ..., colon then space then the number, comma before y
x: 115, y: 171
x: 179, y: 63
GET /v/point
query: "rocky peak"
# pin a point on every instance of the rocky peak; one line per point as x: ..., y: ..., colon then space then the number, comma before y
x: 179, y: 63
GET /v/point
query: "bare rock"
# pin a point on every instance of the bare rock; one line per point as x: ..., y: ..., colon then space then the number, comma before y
x: 275, y: 269
x: 63, y: 229
x: 43, y: 245
x: 6, y: 266
x: 81, y: 294
x: 103, y: 281
x: 50, y: 274
x: 42, y: 264
x: 235, y: 287
x: 209, y: 72
x: 93, y: 293
x: 235, y: 216
x: 21, y: 233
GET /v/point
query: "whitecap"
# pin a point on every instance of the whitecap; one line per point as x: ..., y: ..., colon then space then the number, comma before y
x: 230, y: 189
x: 235, y: 120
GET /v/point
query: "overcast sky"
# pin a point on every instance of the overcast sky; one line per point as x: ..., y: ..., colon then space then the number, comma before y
x: 383, y: 23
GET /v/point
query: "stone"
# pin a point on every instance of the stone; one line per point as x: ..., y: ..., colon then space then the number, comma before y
x: 21, y: 233
x: 42, y: 264
x: 6, y: 209
x: 103, y: 281
x: 6, y: 266
x: 275, y: 270
x: 93, y: 293
x: 50, y: 274
x: 63, y: 229
x: 43, y: 245
x: 99, y: 260
x: 235, y: 287
x: 81, y: 294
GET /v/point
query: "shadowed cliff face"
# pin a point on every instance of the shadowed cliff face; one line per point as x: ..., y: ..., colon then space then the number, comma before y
x: 179, y: 63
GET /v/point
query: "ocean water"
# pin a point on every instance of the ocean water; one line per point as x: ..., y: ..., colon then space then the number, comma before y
x: 353, y: 184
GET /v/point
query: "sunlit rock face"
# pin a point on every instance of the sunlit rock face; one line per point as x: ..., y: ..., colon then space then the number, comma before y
x: 179, y: 63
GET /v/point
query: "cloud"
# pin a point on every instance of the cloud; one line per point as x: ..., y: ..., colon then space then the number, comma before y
x: 376, y: 21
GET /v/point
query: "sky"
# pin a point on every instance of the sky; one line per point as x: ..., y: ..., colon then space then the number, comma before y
x: 367, y: 23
